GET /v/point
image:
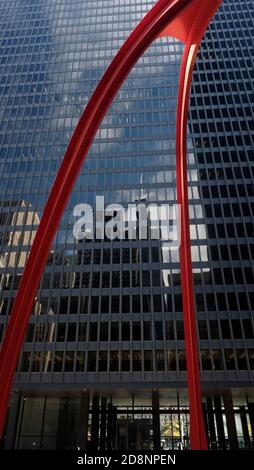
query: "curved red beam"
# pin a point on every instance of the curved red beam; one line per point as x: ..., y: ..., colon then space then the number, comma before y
x: 187, y: 20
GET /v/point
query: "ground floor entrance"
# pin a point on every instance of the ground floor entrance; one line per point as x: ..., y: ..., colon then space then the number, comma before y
x: 121, y: 420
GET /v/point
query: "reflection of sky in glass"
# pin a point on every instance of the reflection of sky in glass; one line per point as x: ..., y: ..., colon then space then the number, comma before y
x: 54, y: 55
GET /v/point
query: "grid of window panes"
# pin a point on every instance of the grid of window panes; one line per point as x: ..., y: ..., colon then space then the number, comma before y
x: 116, y: 306
x: 222, y: 129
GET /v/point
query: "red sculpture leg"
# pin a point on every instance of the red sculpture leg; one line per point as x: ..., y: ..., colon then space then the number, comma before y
x: 198, y: 440
x: 160, y: 16
x: 205, y: 12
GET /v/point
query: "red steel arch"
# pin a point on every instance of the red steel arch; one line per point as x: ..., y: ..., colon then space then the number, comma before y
x: 186, y: 20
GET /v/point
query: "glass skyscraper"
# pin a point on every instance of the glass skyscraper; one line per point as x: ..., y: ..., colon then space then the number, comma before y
x: 103, y: 364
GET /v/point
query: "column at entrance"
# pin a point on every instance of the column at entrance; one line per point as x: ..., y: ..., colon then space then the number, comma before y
x: 110, y: 427
x: 211, y: 424
x: 251, y: 415
x: 230, y: 418
x: 156, y: 419
x: 219, y: 421
x: 244, y: 423
x: 12, y: 420
x: 95, y: 423
x: 103, y: 424
x: 84, y: 414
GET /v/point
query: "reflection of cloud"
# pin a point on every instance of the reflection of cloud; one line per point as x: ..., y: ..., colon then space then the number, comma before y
x: 78, y: 51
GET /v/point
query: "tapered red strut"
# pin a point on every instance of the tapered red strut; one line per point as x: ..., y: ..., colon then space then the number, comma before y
x: 186, y: 20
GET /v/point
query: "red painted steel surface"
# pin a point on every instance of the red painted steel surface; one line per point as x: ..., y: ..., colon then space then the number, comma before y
x: 202, y: 18
x: 186, y: 19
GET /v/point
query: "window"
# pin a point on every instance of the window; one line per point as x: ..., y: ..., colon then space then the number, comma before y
x: 115, y: 304
x: 155, y: 255
x: 222, y: 305
x: 135, y: 278
x: 202, y: 326
x: 206, y: 359
x: 115, y: 279
x: 96, y: 276
x: 91, y: 362
x: 83, y: 305
x: 126, y: 278
x: 125, y: 361
x: 171, y: 360
x: 251, y: 358
x: 82, y: 331
x: 125, y: 304
x: 225, y: 329
x: 158, y: 330
x: 146, y: 278
x: 104, y: 331
x: 230, y: 359
x: 145, y: 255
x: 40, y: 332
x: 61, y: 327
x: 248, y: 328
x: 80, y: 361
x: 137, y: 360
x: 116, y: 256
x: 182, y: 360
x: 147, y: 330
x: 217, y: 359
x: 126, y: 255
x: 179, y: 330
x: 47, y: 361
x: 200, y: 303
x: 114, y: 361
x: 93, y: 328
x: 3, y: 306
x: 73, y: 305
x: 157, y: 303
x: 232, y: 301
x: 136, y: 304
x: 69, y: 361
x: 243, y: 301
x: 114, y: 331
x: 210, y: 302
x: 125, y: 331
x: 1, y: 331
x: 97, y: 256
x: 156, y: 278
x: 106, y: 256
x: 103, y: 361
x: 169, y: 326
x: 72, y: 332
x: 136, y: 331
x: 105, y: 304
x: 148, y: 360
x: 237, y: 331
x: 241, y: 359
x: 146, y: 303
x: 58, y: 361
x: 105, y: 279
x: 26, y: 359
x: 214, y: 329
x: 29, y: 333
x: 168, y: 303
x: 178, y: 303
x: 159, y: 360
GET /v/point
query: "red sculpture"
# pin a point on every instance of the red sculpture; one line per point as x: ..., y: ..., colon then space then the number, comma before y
x: 186, y: 20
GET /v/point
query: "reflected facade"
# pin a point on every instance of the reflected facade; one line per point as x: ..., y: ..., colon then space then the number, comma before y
x: 103, y: 364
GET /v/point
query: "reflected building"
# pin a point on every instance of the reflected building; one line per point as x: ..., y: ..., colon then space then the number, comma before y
x: 18, y: 223
x: 103, y: 364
